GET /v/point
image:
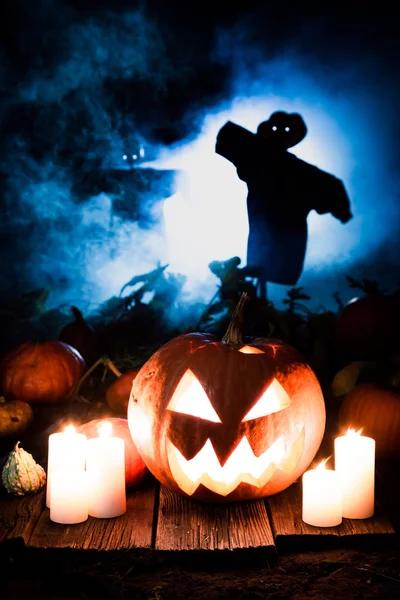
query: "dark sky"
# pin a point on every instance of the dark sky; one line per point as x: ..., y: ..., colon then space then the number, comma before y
x: 194, y: 65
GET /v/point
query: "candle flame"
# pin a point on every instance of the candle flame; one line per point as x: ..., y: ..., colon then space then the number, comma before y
x: 105, y: 429
x: 69, y: 429
x: 353, y: 432
x: 322, y: 464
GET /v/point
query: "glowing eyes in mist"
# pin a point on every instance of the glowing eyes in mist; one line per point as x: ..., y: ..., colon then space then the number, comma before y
x: 125, y: 157
x: 274, y: 128
x: 190, y: 398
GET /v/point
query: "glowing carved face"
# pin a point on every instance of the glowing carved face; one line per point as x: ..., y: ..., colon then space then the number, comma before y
x: 218, y: 422
x: 242, y: 465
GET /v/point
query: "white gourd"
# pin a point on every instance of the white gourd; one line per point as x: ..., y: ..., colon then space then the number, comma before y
x: 21, y: 474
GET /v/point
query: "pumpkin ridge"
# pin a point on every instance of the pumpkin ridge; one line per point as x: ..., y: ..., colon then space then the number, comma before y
x: 68, y: 377
x: 18, y: 350
x: 8, y: 474
x: 27, y: 472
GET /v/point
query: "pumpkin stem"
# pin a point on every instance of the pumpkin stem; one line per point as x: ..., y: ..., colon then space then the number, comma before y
x: 16, y: 447
x: 103, y: 360
x: 78, y: 316
x: 110, y: 365
x: 233, y: 335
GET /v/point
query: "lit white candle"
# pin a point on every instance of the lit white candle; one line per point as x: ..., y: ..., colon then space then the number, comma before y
x: 322, y: 497
x: 105, y: 468
x: 67, y: 452
x: 69, y: 498
x: 355, y: 466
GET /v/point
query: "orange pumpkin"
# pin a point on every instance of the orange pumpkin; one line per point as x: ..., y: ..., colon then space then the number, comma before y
x: 41, y: 372
x: 365, y: 327
x: 228, y: 420
x: 117, y: 394
x: 135, y: 469
x: 377, y: 411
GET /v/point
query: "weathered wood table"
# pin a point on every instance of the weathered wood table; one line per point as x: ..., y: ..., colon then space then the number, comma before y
x: 159, y: 520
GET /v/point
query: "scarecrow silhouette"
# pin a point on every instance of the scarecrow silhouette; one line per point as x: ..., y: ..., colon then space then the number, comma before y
x: 282, y: 190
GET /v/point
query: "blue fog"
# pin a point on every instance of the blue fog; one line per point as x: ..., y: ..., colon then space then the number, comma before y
x: 85, y: 253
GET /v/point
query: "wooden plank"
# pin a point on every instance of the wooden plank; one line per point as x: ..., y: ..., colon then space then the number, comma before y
x: 376, y: 525
x: 131, y: 530
x: 184, y: 524
x: 19, y: 515
x: 285, y: 511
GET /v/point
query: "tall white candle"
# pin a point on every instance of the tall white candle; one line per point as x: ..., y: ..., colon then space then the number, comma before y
x: 355, y: 466
x: 105, y: 468
x: 322, y: 497
x: 69, y: 497
x: 67, y: 451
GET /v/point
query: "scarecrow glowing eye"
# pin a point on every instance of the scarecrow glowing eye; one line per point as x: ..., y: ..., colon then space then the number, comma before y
x: 274, y: 128
x: 273, y: 400
x: 287, y: 128
x: 189, y: 398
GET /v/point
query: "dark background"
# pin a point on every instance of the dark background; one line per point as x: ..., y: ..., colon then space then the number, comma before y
x: 78, y: 78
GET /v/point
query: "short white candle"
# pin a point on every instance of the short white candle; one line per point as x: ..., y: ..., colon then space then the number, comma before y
x: 105, y: 468
x: 69, y: 498
x: 67, y: 451
x: 355, y: 466
x: 322, y: 497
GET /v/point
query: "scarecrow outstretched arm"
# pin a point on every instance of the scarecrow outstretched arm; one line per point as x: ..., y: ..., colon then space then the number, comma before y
x: 327, y: 192
x: 236, y: 144
x: 336, y: 201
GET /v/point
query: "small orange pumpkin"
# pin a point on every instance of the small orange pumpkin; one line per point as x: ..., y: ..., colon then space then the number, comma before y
x: 117, y: 394
x: 15, y: 417
x: 41, y: 372
x: 135, y: 469
x: 365, y: 327
x: 377, y: 411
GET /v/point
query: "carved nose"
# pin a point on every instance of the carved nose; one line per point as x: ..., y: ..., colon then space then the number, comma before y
x: 224, y: 444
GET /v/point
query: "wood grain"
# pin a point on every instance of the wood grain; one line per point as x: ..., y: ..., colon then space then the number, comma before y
x: 285, y: 511
x: 182, y: 524
x: 131, y: 530
x: 187, y: 525
x: 19, y: 515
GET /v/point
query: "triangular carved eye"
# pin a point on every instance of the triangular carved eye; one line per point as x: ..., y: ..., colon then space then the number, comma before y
x: 190, y: 398
x: 273, y: 400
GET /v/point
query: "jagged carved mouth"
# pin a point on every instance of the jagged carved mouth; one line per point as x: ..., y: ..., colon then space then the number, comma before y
x: 242, y: 465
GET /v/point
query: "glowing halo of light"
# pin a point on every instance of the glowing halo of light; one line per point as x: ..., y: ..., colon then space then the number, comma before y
x: 336, y: 143
x: 217, y: 202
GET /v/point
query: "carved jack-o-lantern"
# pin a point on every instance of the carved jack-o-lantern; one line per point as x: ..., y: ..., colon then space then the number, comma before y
x: 226, y: 420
